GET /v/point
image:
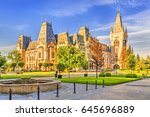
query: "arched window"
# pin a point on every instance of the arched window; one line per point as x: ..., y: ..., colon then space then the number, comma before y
x: 116, y: 43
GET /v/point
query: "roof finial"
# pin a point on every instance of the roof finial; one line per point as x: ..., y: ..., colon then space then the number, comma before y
x: 118, y: 8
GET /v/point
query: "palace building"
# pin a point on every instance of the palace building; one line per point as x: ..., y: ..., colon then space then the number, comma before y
x: 45, y: 48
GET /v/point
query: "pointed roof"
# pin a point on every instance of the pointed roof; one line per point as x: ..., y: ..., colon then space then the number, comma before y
x: 118, y: 24
x: 46, y: 34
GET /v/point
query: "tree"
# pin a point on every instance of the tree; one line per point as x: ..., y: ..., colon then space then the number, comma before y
x: 131, y: 61
x: 138, y: 57
x: 85, y: 66
x: 2, y: 62
x: 96, y: 53
x: 147, y: 62
x: 14, y: 58
x: 70, y: 57
x: 13, y: 65
x: 50, y: 64
x: 60, y: 67
x: 40, y: 65
x: 140, y: 65
x: 21, y: 64
x: 45, y: 65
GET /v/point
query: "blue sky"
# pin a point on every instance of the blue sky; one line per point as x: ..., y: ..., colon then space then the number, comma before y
x: 25, y: 17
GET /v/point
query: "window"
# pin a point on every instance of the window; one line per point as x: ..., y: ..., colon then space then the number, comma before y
x: 53, y: 55
x: 40, y: 55
x: 116, y: 43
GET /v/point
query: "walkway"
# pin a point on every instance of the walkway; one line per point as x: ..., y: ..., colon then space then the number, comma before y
x: 137, y: 90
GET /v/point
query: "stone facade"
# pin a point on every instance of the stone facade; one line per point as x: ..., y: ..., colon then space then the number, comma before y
x: 44, y: 49
x: 118, y: 41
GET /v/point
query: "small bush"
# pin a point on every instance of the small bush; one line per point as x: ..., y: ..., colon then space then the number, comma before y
x: 108, y: 74
x: 131, y: 76
x: 101, y: 75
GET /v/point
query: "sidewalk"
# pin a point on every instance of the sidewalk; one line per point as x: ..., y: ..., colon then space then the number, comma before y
x: 128, y: 91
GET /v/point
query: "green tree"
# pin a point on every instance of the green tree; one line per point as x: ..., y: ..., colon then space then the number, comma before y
x: 140, y: 65
x: 2, y: 62
x: 131, y: 61
x: 45, y: 65
x: 85, y: 66
x: 71, y: 57
x: 13, y: 65
x: 138, y: 57
x: 14, y: 58
x: 60, y: 67
x: 40, y: 65
x: 21, y: 64
x: 147, y: 62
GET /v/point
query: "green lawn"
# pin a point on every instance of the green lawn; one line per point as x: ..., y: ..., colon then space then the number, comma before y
x: 39, y: 73
x: 91, y: 80
x: 24, y: 76
x: 27, y: 75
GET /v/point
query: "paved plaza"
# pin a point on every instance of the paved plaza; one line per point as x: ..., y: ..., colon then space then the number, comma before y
x: 139, y: 90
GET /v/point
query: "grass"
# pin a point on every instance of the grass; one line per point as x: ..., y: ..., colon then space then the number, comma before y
x: 14, y: 76
x: 24, y: 76
x: 146, y: 72
x: 91, y: 80
x: 38, y: 73
x: 27, y: 75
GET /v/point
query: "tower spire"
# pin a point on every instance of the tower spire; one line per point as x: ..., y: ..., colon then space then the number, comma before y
x: 118, y: 24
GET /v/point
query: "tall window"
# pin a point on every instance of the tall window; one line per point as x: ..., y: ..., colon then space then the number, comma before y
x: 40, y: 55
x: 53, y: 55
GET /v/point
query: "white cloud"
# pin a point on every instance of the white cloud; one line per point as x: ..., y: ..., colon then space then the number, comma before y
x: 82, y: 6
x: 103, y: 38
x: 77, y: 7
x: 138, y: 26
x: 132, y: 3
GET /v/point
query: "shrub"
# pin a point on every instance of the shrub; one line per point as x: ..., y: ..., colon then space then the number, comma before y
x: 118, y: 75
x: 131, y: 76
x: 101, y: 75
x: 108, y: 74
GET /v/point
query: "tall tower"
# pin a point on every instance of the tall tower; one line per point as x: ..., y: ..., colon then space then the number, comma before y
x: 46, y: 34
x: 22, y: 45
x: 118, y: 39
x: 84, y: 31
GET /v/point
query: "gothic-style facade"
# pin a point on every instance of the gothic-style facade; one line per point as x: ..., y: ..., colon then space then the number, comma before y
x: 118, y: 41
x: 44, y: 49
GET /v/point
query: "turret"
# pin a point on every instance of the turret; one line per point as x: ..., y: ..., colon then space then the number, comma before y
x: 84, y: 31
